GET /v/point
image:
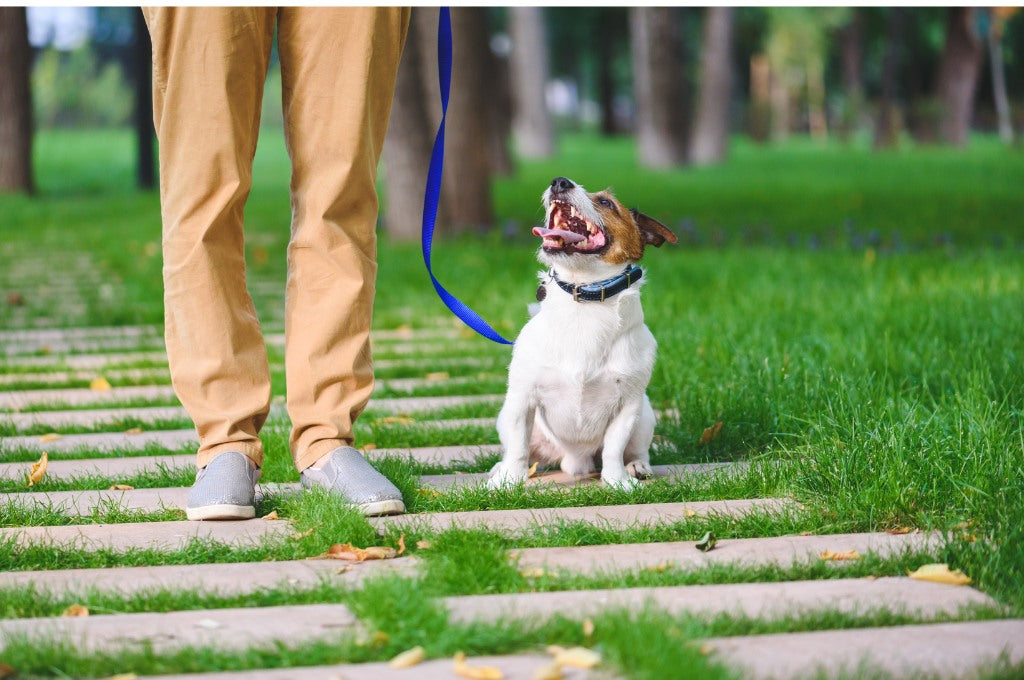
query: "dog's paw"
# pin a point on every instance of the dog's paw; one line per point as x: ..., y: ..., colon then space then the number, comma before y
x: 621, y: 482
x: 639, y: 469
x: 505, y: 474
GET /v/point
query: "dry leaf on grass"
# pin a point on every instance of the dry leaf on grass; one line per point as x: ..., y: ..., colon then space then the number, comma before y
x: 588, y: 627
x: 99, y: 385
x: 15, y: 299
x: 533, y: 469
x: 120, y: 487
x: 350, y: 553
x: 839, y: 556
x: 898, y: 531
x: 535, y: 572
x: 75, y: 610
x: 429, y: 493
x: 6, y: 671
x: 38, y: 469
x: 134, y: 430
x: 401, y: 545
x: 464, y: 670
x: 302, y: 534
x: 576, y: 657
x: 368, y: 447
x: 51, y: 437
x: 123, y: 676
x: 408, y: 658
x: 552, y: 671
x: 394, y: 420
x: 689, y: 513
x: 710, y: 433
x: 940, y: 573
x: 424, y: 544
x: 707, y: 542
x: 440, y: 375
x: 272, y: 515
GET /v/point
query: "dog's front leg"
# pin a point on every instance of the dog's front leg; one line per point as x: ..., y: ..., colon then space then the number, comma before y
x: 515, y: 424
x: 613, y: 468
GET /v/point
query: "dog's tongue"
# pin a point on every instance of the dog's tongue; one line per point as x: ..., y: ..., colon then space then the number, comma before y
x: 564, y: 234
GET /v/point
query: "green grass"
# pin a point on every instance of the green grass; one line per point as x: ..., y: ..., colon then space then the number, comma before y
x: 854, y: 315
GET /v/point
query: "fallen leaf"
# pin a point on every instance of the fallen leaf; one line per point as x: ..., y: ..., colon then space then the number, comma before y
x: 898, y: 531
x: 464, y: 670
x: 577, y: 657
x: 45, y: 350
x: 533, y: 469
x: 839, y: 556
x: 588, y: 627
x: 710, y: 433
x: 272, y: 515
x: 440, y: 375
x: 369, y: 447
x: 344, y: 570
x: 120, y: 487
x: 51, y: 437
x: 303, y: 534
x: 260, y: 256
x: 379, y: 638
x: 659, y: 568
x: 38, y: 469
x: 404, y: 331
x: 553, y: 671
x: 940, y: 573
x: 123, y: 676
x: 706, y: 649
x: 535, y: 572
x: 408, y: 658
x: 99, y: 385
x: 134, y: 430
x: 350, y: 553
x: 707, y: 542
x: 689, y: 513
x: 15, y: 299
x: 75, y: 610
x: 6, y: 671
x: 424, y: 545
x: 394, y: 420
x: 429, y: 493
x: 401, y: 545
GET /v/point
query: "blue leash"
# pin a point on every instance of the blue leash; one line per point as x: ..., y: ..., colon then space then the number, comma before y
x: 433, y: 189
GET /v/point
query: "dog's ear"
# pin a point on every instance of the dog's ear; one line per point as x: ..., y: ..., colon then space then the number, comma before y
x: 653, y: 232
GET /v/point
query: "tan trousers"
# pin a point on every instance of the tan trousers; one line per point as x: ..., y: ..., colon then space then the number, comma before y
x: 338, y: 68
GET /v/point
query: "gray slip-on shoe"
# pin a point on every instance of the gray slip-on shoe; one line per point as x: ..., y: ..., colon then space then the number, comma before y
x: 347, y: 474
x: 224, y: 489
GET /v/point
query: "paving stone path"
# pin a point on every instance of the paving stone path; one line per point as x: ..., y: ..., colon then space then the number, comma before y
x: 41, y: 371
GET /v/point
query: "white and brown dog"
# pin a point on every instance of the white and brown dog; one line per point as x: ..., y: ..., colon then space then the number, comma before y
x: 577, y: 383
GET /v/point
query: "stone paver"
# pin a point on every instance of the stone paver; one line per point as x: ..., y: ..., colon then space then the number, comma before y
x: 44, y: 334
x: 609, y: 516
x: 80, y: 345
x: 229, y: 578
x: 750, y: 552
x: 84, y: 502
x: 945, y: 650
x: 151, y: 535
x: 130, y: 465
x: 756, y: 600
x: 14, y: 379
x: 409, y: 405
x: 514, y: 667
x: 84, y: 361
x: 222, y: 628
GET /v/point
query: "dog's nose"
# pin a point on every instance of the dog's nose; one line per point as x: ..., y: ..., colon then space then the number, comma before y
x: 560, y: 184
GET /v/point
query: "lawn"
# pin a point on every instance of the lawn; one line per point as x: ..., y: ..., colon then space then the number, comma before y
x: 854, y: 320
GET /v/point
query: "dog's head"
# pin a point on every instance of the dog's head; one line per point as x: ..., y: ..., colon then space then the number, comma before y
x: 581, y: 227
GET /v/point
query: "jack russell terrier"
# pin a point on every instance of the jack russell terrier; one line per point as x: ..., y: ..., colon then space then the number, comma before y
x: 577, y: 382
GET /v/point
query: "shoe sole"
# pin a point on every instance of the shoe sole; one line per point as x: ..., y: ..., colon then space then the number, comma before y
x: 223, y: 511
x: 391, y: 507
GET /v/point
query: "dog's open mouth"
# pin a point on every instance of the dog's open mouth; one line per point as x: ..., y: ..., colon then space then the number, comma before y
x: 569, y: 231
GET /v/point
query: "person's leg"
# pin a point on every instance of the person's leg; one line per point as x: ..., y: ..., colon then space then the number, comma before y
x: 338, y: 68
x: 209, y: 65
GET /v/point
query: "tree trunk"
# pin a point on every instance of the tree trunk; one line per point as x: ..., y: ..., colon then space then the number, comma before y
x: 499, y: 84
x: 408, y: 143
x: 1002, y: 101
x: 605, y: 74
x: 958, y: 75
x: 661, y: 104
x: 145, y: 174
x: 467, y: 176
x: 531, y: 121
x: 710, y: 139
x: 852, y: 58
x: 886, y: 126
x: 15, y: 103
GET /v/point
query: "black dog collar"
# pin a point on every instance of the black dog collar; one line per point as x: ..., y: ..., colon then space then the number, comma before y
x: 598, y: 291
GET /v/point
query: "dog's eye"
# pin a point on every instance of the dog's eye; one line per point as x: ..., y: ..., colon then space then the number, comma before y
x: 605, y: 202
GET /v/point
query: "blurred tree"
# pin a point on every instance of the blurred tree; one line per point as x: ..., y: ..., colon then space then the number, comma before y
x: 409, y: 141
x: 145, y: 175
x: 996, y: 27
x: 468, y: 169
x: 887, y: 124
x: 610, y: 38
x: 851, y: 38
x: 661, y: 104
x: 958, y: 74
x: 531, y: 123
x: 710, y: 138
x: 500, y: 102
x: 15, y: 102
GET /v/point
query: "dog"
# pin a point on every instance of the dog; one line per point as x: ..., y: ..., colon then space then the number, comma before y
x: 577, y: 381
